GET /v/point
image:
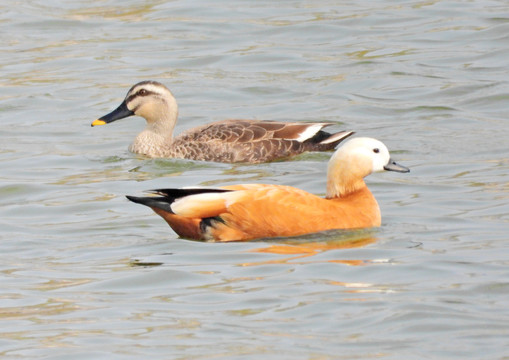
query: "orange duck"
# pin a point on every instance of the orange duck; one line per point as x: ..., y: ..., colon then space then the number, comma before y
x: 251, y: 211
x: 229, y: 141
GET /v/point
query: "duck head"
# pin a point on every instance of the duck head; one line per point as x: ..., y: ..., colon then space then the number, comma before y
x: 148, y: 99
x: 355, y: 160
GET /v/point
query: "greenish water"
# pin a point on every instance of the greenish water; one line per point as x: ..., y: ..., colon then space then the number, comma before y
x: 87, y: 274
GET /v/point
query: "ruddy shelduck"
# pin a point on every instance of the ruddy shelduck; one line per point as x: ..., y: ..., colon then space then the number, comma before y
x: 251, y: 211
x: 229, y: 141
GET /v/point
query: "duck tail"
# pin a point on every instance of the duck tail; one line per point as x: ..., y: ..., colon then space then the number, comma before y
x: 329, y: 141
x: 159, y: 202
x: 168, y: 197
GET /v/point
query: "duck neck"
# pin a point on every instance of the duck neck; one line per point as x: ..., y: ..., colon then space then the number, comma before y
x: 344, y: 187
x: 345, y: 176
x: 162, y: 121
x: 158, y: 134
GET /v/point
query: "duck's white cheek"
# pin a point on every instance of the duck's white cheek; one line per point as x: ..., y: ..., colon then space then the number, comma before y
x: 378, y: 164
x: 132, y: 106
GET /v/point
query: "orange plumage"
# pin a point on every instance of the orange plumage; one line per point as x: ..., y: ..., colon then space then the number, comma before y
x: 250, y: 211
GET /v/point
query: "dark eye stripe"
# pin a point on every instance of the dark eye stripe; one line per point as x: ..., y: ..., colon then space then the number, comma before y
x: 145, y: 92
x: 142, y: 92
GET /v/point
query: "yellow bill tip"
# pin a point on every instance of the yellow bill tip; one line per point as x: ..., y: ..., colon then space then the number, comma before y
x: 98, y: 122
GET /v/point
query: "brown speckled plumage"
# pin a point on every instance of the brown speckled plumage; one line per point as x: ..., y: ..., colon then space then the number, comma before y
x: 229, y: 141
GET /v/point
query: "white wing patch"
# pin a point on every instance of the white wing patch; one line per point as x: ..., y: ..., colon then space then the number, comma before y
x: 336, y: 137
x: 204, y: 205
x: 309, y: 132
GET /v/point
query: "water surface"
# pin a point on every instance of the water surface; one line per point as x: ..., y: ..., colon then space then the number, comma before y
x: 87, y: 274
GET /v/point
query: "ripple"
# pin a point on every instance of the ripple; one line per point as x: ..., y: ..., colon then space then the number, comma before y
x: 86, y: 274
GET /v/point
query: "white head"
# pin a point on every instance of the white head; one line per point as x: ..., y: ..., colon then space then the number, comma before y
x: 354, y: 160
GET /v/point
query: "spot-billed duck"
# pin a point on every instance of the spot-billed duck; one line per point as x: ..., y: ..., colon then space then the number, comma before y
x: 229, y: 141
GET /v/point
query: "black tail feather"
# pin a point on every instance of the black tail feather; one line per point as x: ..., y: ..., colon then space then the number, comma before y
x: 178, y: 193
x: 168, y: 196
x: 324, y: 141
x: 160, y: 202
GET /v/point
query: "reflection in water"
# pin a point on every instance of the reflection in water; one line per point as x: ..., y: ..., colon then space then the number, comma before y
x: 314, y: 244
x: 240, y: 174
x: 363, y: 288
x: 140, y: 263
x: 51, y: 307
x: 126, y: 13
x: 114, y: 168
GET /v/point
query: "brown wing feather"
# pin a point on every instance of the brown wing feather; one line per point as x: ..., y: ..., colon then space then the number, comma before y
x: 269, y: 125
x: 249, y: 130
x: 291, y: 131
x: 250, y: 141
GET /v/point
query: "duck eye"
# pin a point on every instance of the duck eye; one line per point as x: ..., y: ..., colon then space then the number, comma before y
x: 142, y: 92
x: 376, y: 150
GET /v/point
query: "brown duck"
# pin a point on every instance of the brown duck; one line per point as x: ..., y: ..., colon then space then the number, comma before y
x: 229, y: 141
x: 251, y: 211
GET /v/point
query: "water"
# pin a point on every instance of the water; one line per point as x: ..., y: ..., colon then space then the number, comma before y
x: 86, y: 274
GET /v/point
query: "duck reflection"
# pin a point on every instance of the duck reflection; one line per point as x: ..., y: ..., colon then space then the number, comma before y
x: 305, y: 247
